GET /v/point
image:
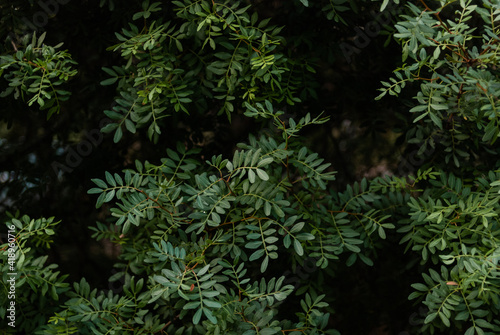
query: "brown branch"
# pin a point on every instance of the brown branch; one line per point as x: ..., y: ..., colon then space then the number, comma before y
x: 466, y: 54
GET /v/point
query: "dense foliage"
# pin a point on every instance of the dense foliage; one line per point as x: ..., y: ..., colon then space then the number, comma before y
x: 216, y: 188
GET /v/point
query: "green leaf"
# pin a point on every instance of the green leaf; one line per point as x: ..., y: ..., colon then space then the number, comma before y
x: 251, y: 176
x: 253, y: 245
x: 197, y: 316
x: 430, y: 317
x: 420, y: 287
x: 95, y: 191
x: 297, y: 227
x: 118, y: 135
x: 483, y: 323
x: 462, y: 316
x: 209, y: 315
x: 469, y: 331
x: 109, y: 71
x: 191, y: 305
x: 212, y: 304
x: 203, y: 270
x: 437, y: 121
x: 264, y: 264
x: 268, y: 331
x: 351, y: 259
x: 384, y: 5
x: 381, y: 232
x: 99, y: 183
x: 265, y: 161
x: 444, y: 319
x: 109, y: 81
x: 130, y: 126
x: 262, y: 174
x: 216, y: 218
x: 298, y: 247
x: 256, y: 254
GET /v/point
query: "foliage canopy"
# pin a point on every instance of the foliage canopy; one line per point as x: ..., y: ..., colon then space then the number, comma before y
x: 211, y: 241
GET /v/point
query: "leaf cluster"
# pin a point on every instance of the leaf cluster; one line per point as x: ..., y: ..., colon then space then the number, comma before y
x: 35, y: 73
